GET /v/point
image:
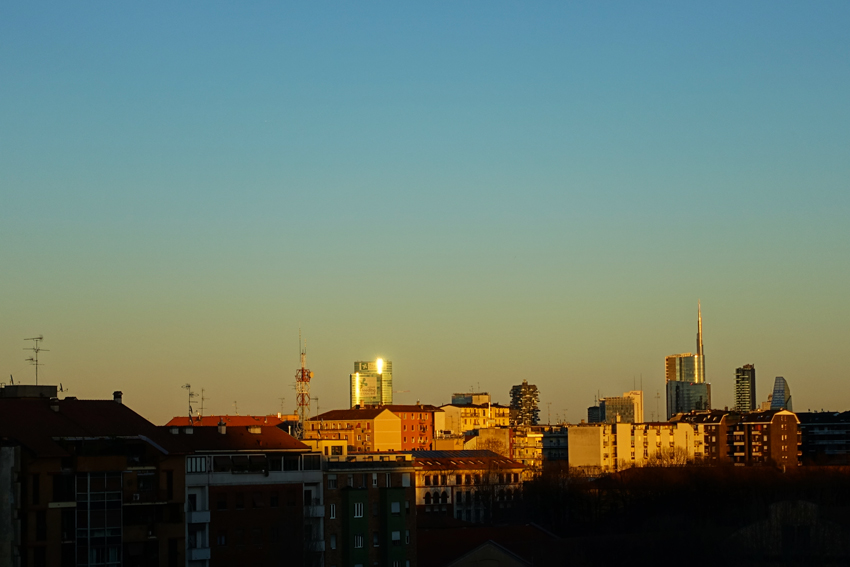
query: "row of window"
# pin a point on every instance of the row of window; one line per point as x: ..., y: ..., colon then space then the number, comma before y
x: 362, y: 480
x: 357, y: 512
x: 437, y: 480
x: 254, y: 463
x: 358, y: 540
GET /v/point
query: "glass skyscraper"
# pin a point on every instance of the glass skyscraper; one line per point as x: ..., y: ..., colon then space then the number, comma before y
x: 372, y: 383
x: 781, y: 395
x: 687, y: 389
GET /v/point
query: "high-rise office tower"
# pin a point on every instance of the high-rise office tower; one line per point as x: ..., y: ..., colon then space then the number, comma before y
x: 745, y: 388
x: 685, y: 375
x: 524, y: 399
x: 372, y: 383
x: 781, y: 395
x: 627, y: 409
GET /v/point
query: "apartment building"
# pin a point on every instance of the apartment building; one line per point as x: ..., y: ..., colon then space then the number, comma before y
x: 253, y: 496
x: 86, y: 482
x: 366, y: 430
x: 462, y: 418
x: 370, y: 518
x: 418, y: 425
x: 603, y: 448
x: 474, y: 486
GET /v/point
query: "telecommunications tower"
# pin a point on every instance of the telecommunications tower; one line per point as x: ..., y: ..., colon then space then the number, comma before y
x: 302, y: 390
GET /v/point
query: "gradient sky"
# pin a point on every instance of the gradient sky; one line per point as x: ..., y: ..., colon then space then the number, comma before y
x: 481, y: 192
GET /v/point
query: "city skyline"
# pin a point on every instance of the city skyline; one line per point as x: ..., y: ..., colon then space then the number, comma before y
x: 481, y: 193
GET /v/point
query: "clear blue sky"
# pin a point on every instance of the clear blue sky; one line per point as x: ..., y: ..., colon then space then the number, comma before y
x: 481, y: 192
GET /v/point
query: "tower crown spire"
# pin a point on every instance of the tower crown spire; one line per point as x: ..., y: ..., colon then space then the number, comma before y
x: 699, y: 328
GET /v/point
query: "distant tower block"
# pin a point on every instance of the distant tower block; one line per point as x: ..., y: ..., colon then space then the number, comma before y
x: 302, y: 390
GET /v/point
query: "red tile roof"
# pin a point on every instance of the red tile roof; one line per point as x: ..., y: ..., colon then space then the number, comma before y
x: 350, y: 414
x: 235, y: 420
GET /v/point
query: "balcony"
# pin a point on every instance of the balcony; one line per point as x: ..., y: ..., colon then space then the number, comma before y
x: 198, y: 517
x: 314, y: 511
x: 199, y: 553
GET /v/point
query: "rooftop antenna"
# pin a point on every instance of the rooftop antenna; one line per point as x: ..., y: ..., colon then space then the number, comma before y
x: 657, y: 412
x: 12, y: 378
x: 281, y: 405
x: 302, y: 389
x: 235, y: 407
x: 548, y: 413
x: 317, y: 406
x: 188, y: 388
x: 203, y: 399
x: 36, y: 349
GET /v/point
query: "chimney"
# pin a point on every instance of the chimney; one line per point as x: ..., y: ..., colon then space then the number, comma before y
x: 54, y: 404
x: 222, y: 427
x: 116, y: 396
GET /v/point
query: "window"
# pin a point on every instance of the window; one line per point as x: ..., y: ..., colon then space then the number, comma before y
x: 333, y: 511
x: 374, y: 539
x: 221, y: 538
x: 273, y: 500
x: 405, y: 479
x: 358, y: 510
x: 427, y: 480
x: 331, y: 481
x: 407, y: 506
x: 336, y: 450
x: 396, y: 537
x: 375, y: 479
x: 240, y: 501
x: 395, y: 508
x: 333, y: 541
x: 312, y: 462
x: 406, y: 537
x: 196, y: 465
x: 358, y: 541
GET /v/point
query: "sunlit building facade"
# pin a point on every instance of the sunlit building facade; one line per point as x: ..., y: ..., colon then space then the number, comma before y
x: 687, y: 389
x: 372, y: 383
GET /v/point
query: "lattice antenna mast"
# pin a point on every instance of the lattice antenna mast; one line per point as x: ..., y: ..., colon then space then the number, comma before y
x: 192, y: 395
x: 34, y: 358
x: 302, y: 390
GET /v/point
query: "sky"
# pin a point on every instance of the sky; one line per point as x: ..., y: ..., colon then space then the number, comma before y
x: 480, y: 192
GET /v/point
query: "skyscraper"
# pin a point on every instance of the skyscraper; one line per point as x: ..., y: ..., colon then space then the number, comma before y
x: 524, y: 404
x: 372, y: 383
x: 685, y: 376
x: 626, y: 409
x: 745, y: 388
x: 781, y: 395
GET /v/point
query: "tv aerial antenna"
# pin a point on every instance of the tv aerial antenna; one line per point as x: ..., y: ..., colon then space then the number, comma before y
x: 192, y: 395
x: 33, y: 360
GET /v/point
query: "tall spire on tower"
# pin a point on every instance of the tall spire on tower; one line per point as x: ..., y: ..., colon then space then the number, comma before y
x: 699, y: 328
